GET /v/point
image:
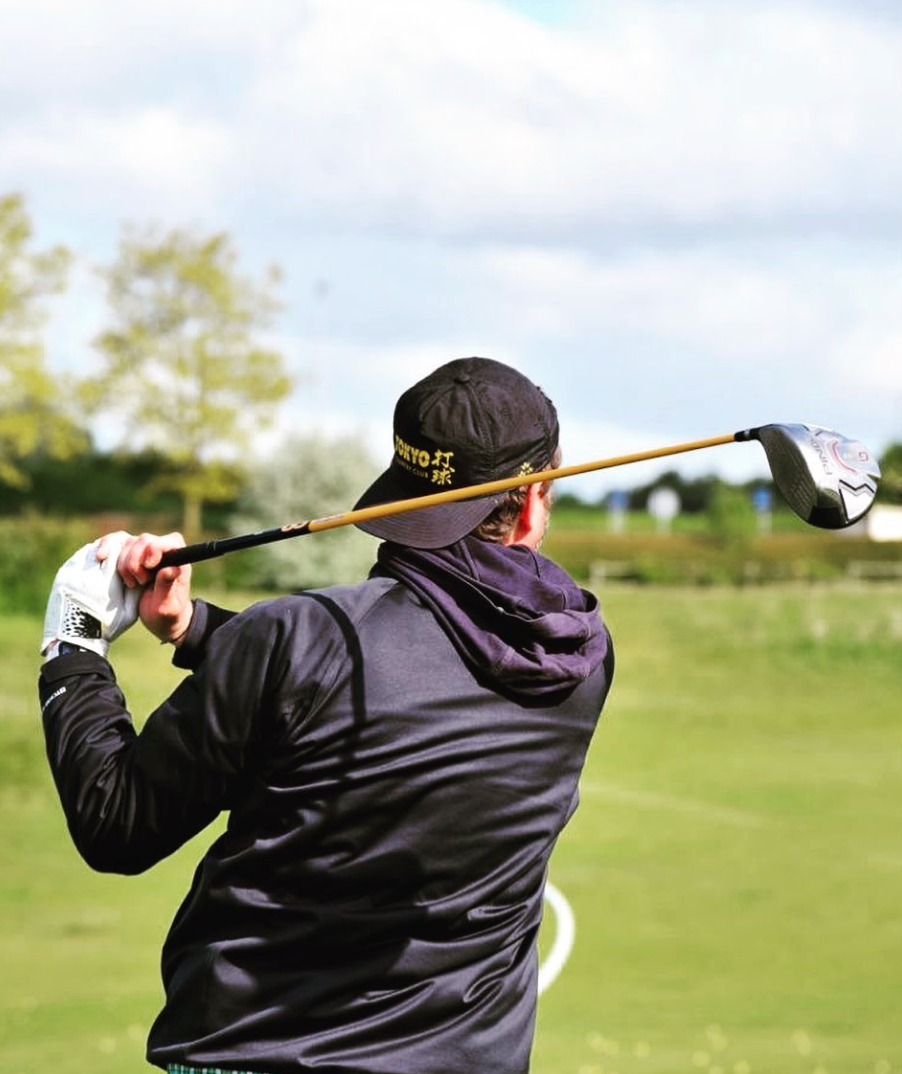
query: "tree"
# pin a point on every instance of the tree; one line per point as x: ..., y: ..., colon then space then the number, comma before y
x: 183, y: 369
x: 308, y: 477
x: 891, y: 474
x: 32, y: 419
x: 731, y: 518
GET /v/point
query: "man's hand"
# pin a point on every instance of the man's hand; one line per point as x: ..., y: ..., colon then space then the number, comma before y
x: 165, y: 604
x: 89, y: 606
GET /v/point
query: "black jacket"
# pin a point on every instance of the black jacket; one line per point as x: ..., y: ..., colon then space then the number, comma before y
x: 374, y: 902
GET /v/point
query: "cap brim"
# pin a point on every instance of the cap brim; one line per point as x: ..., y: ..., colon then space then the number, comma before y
x: 424, y: 527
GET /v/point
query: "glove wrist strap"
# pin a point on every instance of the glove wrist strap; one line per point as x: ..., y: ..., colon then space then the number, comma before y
x: 62, y: 648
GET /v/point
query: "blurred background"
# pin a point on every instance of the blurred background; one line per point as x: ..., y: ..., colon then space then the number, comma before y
x: 232, y: 234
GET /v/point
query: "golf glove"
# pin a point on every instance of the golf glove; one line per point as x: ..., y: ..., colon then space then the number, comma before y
x: 89, y: 605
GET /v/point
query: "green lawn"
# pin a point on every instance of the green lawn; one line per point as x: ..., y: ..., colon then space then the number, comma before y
x: 735, y: 868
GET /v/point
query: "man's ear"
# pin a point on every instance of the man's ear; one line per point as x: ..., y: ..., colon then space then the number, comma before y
x: 529, y: 528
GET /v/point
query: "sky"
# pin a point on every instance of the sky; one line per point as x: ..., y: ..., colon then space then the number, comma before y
x: 679, y: 217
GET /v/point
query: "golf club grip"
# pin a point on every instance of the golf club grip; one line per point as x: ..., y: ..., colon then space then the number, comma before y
x: 191, y: 553
x: 197, y: 553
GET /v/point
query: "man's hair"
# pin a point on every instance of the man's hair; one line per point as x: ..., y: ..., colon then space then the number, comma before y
x: 503, y: 519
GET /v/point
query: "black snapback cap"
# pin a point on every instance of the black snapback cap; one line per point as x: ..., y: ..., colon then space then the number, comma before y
x: 471, y: 421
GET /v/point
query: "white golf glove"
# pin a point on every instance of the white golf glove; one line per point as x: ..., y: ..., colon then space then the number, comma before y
x: 89, y: 605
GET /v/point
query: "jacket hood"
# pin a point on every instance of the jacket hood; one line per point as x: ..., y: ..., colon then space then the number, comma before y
x: 514, y: 616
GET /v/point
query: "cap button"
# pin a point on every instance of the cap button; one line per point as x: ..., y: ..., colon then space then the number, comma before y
x: 462, y: 378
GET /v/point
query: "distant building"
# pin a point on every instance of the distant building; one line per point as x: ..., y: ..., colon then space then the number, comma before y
x: 884, y: 523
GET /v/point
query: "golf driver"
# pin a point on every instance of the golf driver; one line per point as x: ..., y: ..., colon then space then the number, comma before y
x: 827, y: 479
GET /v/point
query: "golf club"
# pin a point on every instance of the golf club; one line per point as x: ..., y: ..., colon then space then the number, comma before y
x: 827, y: 479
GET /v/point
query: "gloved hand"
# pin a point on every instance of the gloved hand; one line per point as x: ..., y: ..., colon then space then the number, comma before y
x: 89, y: 604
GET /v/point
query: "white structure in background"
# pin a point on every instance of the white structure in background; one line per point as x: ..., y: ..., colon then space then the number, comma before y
x: 664, y: 506
x: 884, y: 523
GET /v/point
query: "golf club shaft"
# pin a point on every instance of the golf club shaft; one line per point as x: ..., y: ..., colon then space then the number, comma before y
x: 194, y: 553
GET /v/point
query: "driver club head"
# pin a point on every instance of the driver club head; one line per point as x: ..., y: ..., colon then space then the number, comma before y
x: 826, y: 478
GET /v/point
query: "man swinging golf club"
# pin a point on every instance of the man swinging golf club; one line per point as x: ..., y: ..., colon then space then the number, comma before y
x: 397, y: 758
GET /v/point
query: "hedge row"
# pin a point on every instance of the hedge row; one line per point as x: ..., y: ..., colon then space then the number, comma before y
x: 31, y: 550
x: 696, y: 559
x: 32, y: 547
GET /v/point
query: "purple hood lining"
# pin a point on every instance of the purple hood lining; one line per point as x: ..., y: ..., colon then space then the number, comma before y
x: 514, y: 616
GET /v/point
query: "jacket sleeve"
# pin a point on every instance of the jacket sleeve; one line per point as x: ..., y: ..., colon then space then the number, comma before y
x: 205, y: 621
x: 130, y: 799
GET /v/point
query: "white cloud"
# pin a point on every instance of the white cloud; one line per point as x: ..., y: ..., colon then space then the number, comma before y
x: 462, y: 118
x: 706, y: 298
x: 151, y: 157
x: 54, y: 45
x: 869, y: 356
x: 467, y: 120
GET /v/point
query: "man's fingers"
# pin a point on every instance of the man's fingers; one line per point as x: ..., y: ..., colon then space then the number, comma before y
x: 110, y: 542
x: 131, y: 561
x: 167, y: 577
x: 141, y: 555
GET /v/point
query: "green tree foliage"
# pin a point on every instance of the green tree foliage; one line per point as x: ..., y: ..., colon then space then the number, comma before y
x: 32, y: 420
x: 731, y: 518
x: 184, y: 371
x: 309, y: 477
x: 891, y: 474
x: 93, y: 482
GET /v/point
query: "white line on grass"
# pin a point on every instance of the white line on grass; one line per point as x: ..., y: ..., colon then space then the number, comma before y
x: 564, y: 935
x: 654, y: 800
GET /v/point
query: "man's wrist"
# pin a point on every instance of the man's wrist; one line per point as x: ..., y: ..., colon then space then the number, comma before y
x: 177, y: 639
x: 63, y: 648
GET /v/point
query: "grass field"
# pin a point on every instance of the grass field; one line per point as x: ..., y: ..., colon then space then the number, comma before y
x: 735, y: 869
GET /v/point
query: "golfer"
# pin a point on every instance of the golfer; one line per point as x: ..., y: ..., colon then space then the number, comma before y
x: 396, y: 757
